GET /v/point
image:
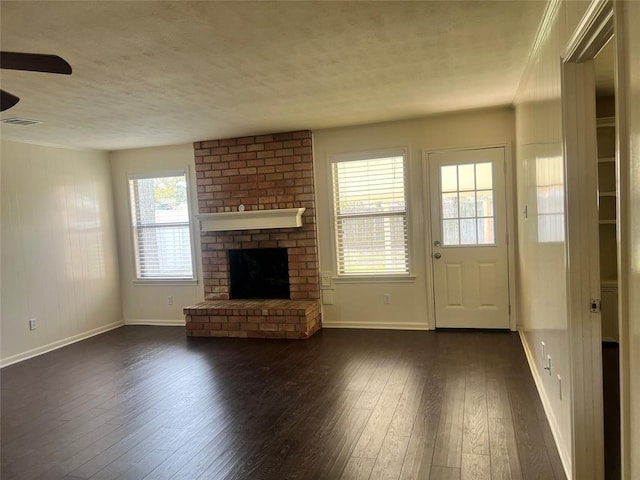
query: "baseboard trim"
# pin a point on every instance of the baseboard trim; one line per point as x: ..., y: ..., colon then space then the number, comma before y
x: 155, y: 323
x: 553, y: 424
x: 20, y: 357
x: 377, y: 325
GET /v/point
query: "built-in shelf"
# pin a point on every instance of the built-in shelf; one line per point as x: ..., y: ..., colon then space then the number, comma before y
x: 606, y: 178
x: 251, y: 220
x: 606, y: 122
x: 607, y: 231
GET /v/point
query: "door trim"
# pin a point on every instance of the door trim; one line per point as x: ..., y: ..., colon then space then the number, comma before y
x: 582, y: 246
x: 623, y: 220
x: 510, y: 225
x: 583, y: 279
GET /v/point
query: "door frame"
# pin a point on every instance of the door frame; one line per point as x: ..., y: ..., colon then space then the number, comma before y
x: 582, y: 247
x: 623, y: 221
x: 510, y: 226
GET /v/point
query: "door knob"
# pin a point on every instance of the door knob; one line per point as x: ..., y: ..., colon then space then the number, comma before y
x: 436, y: 243
x: 437, y: 255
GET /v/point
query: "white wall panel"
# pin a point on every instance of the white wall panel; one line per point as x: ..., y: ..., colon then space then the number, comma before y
x: 542, y: 268
x: 146, y: 303
x: 362, y: 304
x: 59, y: 255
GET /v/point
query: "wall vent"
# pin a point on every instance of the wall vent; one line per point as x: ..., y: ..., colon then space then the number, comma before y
x: 20, y: 121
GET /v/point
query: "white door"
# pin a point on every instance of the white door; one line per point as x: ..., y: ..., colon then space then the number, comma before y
x: 469, y: 232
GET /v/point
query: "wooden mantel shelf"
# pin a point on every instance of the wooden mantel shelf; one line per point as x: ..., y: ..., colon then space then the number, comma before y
x: 251, y: 220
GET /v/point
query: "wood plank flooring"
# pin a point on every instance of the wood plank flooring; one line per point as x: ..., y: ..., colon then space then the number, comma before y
x: 149, y: 403
x: 611, y: 404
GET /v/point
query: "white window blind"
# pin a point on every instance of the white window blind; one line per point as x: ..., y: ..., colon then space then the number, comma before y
x: 371, y: 215
x: 160, y: 225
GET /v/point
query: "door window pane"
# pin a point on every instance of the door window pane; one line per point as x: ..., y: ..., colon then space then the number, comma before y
x: 467, y: 204
x: 449, y: 178
x: 468, y: 231
x: 484, y: 201
x: 466, y: 177
x: 484, y: 176
x: 450, y: 205
x: 451, y: 233
x: 486, y: 231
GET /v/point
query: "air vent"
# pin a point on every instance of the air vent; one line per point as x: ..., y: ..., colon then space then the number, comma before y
x: 20, y: 121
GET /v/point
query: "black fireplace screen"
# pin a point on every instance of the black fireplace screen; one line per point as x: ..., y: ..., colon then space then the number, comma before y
x: 259, y: 273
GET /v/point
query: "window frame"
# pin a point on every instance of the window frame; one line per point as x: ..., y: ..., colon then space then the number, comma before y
x: 141, y: 175
x: 371, y: 277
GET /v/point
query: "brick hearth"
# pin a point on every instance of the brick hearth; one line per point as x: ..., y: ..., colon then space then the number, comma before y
x: 261, y: 172
x: 253, y: 318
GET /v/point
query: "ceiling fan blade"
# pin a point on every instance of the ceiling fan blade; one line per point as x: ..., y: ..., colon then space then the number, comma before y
x: 34, y: 62
x: 7, y: 100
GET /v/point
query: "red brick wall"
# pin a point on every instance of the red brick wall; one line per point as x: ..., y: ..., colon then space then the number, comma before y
x: 261, y: 172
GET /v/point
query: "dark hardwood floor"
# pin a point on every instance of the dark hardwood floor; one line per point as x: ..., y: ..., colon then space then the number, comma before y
x: 611, y: 408
x: 148, y: 403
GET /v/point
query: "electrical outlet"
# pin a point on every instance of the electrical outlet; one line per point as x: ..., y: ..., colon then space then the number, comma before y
x: 327, y: 297
x: 170, y: 300
x: 387, y: 298
x: 33, y: 324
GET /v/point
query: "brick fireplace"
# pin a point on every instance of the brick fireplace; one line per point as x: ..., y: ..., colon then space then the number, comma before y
x: 265, y: 174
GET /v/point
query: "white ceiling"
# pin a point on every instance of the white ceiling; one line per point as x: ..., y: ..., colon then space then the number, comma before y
x: 166, y: 72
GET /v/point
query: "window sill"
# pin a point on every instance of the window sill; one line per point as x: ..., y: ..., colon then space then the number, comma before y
x: 166, y: 281
x: 374, y: 279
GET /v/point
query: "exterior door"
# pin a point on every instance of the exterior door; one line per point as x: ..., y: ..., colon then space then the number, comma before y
x: 469, y: 232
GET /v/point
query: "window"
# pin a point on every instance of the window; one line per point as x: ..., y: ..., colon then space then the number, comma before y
x: 160, y: 226
x: 550, y: 199
x: 371, y: 214
x: 467, y: 204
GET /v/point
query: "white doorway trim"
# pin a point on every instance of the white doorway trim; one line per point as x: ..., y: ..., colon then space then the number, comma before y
x: 582, y: 253
x: 582, y: 246
x: 511, y: 208
x: 623, y: 220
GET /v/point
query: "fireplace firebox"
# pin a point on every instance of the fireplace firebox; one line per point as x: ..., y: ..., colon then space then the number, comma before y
x: 259, y: 273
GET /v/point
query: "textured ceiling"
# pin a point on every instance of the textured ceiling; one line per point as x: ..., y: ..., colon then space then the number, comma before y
x: 160, y: 72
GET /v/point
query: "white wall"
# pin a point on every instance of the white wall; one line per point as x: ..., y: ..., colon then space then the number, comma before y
x: 59, y: 255
x: 145, y: 303
x: 361, y: 304
x: 630, y: 178
x: 542, y: 278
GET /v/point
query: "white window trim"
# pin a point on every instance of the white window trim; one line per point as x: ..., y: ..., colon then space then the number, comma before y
x: 346, y: 278
x: 139, y: 175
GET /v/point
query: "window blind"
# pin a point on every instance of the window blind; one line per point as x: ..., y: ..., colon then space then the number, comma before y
x: 160, y: 226
x: 371, y: 216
